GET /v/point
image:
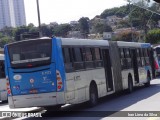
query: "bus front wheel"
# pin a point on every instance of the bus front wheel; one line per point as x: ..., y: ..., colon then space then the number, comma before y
x: 148, y: 80
x: 52, y: 108
x: 93, y: 95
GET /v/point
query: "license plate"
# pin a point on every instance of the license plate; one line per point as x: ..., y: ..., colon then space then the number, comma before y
x: 33, y: 91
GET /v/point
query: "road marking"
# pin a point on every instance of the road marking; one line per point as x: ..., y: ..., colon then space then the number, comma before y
x: 154, y: 118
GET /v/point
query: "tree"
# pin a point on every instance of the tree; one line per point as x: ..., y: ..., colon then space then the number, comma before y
x: 153, y: 36
x: 4, y: 40
x: 61, y: 30
x: 46, y: 31
x: 84, y: 26
x: 118, y: 11
x: 19, y: 31
x: 102, y: 27
x: 8, y: 31
x: 123, y: 24
x: 126, y: 36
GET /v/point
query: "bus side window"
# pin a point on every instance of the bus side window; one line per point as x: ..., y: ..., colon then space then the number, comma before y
x: 88, y: 58
x: 78, y: 59
x: 139, y: 58
x: 122, y: 58
x: 97, y: 57
x: 142, y: 57
x: 147, y: 62
x: 129, y: 61
x: 126, y: 55
x: 67, y: 59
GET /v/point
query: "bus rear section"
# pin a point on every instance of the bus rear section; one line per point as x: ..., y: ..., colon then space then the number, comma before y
x: 32, y: 74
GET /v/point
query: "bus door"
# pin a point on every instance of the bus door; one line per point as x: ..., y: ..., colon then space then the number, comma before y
x: 108, y: 70
x: 135, y: 64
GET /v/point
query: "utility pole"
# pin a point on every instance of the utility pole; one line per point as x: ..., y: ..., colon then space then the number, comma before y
x: 39, y: 19
x: 131, y: 21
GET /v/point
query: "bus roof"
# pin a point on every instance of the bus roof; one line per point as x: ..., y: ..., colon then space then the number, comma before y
x: 133, y: 44
x: 158, y: 46
x: 84, y: 42
x: 42, y: 38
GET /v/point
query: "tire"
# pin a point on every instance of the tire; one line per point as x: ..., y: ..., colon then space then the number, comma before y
x: 93, y: 95
x: 148, y: 79
x: 5, y: 101
x: 52, y: 108
x: 130, y: 85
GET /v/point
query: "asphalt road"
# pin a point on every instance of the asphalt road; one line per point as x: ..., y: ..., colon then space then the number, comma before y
x: 142, y: 104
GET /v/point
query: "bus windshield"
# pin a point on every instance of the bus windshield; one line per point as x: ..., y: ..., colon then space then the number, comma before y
x: 31, y: 53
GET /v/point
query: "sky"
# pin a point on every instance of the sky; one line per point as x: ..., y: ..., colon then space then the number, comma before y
x: 64, y: 11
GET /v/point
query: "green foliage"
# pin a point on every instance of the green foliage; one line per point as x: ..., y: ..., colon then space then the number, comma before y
x: 126, y: 36
x: 118, y: 11
x: 61, y: 30
x: 19, y: 31
x: 102, y: 27
x: 46, y: 31
x: 4, y: 40
x: 153, y: 36
x: 84, y: 25
x: 123, y: 24
x: 138, y: 16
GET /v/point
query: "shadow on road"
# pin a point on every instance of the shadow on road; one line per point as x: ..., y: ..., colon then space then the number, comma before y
x: 107, y: 105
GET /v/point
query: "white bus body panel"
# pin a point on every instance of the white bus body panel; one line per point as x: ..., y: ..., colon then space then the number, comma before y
x: 34, y: 100
x: 78, y: 84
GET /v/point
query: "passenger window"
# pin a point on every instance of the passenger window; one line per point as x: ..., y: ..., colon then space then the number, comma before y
x: 67, y: 59
x: 66, y: 55
x: 78, y: 59
x: 77, y: 55
x: 97, y: 54
x: 98, y: 57
x: 88, y: 55
x: 122, y: 52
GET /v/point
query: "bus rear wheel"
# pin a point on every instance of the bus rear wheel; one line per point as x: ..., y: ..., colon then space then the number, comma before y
x: 93, y: 95
x: 130, y: 85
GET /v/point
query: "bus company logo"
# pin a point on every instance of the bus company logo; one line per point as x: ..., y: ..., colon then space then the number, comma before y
x: 17, y: 77
x: 31, y: 80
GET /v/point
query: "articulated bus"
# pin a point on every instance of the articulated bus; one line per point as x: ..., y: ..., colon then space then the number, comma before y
x: 48, y: 72
x: 3, y: 90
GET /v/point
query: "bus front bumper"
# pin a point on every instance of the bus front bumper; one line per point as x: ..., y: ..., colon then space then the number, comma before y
x: 36, y: 100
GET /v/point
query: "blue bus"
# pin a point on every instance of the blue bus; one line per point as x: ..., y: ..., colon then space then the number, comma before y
x: 47, y: 72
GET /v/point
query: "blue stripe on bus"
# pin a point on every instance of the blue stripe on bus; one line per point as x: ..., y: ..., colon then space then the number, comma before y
x: 146, y: 45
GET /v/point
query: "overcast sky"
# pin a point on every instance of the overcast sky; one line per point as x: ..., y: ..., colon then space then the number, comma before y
x: 64, y: 11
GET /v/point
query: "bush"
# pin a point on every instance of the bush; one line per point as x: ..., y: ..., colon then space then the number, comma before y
x: 153, y: 36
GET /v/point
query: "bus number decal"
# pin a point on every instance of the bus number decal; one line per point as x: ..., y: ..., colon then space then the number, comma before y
x: 46, y: 73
